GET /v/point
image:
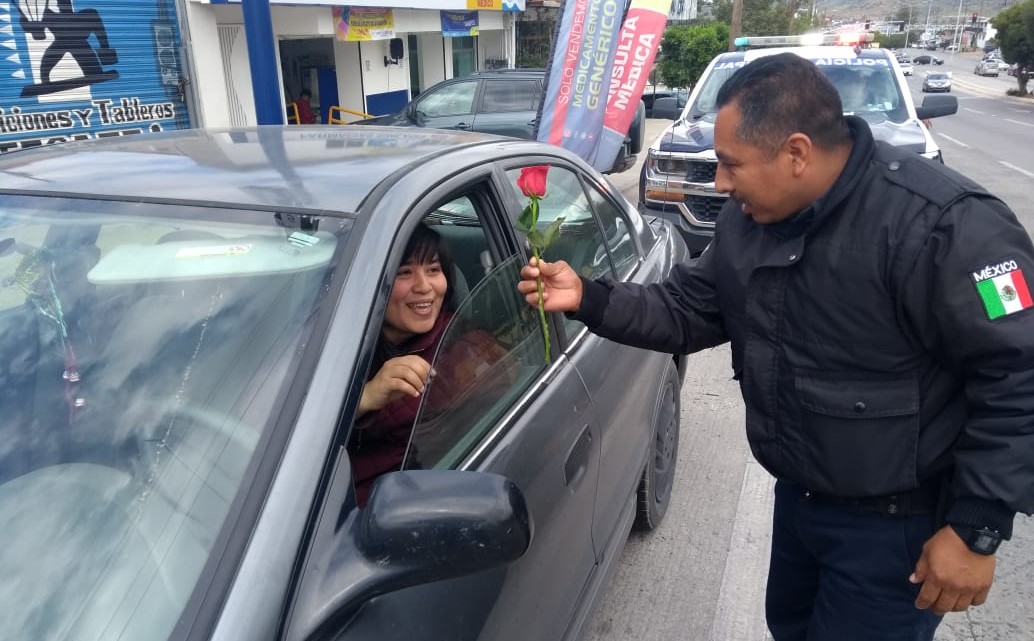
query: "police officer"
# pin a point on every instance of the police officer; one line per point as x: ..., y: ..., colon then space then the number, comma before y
x: 882, y: 334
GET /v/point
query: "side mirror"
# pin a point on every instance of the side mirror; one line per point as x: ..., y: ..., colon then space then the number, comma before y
x: 419, y: 526
x: 666, y: 108
x: 937, y: 106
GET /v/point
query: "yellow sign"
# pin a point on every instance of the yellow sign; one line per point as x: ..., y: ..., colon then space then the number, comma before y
x: 357, y: 24
x: 485, y: 5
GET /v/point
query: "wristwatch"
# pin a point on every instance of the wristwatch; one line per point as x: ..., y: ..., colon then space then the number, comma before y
x: 981, y: 540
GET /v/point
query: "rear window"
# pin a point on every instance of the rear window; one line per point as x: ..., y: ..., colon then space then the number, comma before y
x: 510, y: 95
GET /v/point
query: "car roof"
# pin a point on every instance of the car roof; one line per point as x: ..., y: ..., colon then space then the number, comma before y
x: 811, y: 52
x: 331, y: 168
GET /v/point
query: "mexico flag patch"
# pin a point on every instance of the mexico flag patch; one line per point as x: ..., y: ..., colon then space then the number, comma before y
x: 1003, y: 289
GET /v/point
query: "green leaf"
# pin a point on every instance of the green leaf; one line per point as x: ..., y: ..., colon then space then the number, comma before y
x: 526, y: 221
x: 536, y: 239
x: 552, y: 232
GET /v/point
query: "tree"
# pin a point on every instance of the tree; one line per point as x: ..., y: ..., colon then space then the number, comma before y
x: 685, y: 51
x: 762, y: 17
x: 1015, y: 28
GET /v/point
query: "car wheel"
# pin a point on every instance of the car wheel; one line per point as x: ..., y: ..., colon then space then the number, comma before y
x: 638, y: 129
x: 654, y: 493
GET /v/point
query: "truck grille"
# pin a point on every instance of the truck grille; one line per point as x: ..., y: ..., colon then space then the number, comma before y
x: 705, y: 208
x: 701, y: 171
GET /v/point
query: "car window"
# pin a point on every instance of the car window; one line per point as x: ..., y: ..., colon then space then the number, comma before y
x: 491, y: 353
x: 455, y: 99
x: 142, y: 360
x: 510, y: 95
x: 616, y: 231
x: 580, y: 242
x: 870, y: 91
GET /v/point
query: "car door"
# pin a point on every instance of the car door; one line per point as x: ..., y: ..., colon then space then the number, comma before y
x: 449, y: 106
x: 595, y: 239
x: 509, y: 107
x: 505, y: 411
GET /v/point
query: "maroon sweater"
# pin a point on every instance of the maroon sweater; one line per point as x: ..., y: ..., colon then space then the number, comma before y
x: 380, y: 438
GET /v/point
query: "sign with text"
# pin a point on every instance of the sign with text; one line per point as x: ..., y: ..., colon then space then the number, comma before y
x: 88, y: 69
x: 456, y: 24
x: 359, y: 24
x: 578, y: 82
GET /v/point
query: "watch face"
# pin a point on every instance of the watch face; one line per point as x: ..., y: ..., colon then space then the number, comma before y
x: 985, y: 541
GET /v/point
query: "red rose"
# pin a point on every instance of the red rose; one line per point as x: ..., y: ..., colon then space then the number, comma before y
x: 532, y: 181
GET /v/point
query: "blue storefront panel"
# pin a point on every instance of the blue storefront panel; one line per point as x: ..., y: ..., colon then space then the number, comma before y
x: 79, y: 69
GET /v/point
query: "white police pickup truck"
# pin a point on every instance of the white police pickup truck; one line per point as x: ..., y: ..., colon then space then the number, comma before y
x: 677, y: 180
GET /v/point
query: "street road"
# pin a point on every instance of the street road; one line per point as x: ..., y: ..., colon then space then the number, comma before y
x: 701, y: 576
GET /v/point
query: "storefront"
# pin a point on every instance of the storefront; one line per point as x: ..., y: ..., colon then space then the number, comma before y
x: 363, y: 59
x: 80, y: 69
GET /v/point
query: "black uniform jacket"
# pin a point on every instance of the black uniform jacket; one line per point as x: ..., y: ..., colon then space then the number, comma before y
x: 866, y: 354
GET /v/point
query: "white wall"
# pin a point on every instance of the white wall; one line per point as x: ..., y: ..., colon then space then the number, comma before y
x: 360, y: 66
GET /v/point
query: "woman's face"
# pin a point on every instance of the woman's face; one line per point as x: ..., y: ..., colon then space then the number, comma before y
x: 416, y: 300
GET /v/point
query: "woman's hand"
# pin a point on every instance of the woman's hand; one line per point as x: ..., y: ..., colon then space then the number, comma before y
x: 399, y: 376
x: 561, y: 286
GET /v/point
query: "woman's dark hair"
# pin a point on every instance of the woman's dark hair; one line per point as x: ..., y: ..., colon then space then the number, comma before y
x: 783, y: 94
x: 423, y: 246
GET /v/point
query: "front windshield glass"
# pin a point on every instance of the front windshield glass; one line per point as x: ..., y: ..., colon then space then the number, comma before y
x: 867, y: 88
x: 143, y: 352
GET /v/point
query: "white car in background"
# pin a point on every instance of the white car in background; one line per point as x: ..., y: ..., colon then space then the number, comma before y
x: 906, y: 68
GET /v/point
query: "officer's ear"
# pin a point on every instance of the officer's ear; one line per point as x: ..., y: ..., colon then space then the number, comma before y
x: 799, y: 149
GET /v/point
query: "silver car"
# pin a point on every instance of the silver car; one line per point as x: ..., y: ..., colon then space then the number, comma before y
x: 935, y: 81
x: 188, y: 320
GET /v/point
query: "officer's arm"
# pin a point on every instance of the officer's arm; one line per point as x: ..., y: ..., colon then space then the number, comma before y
x: 677, y: 316
x: 968, y: 301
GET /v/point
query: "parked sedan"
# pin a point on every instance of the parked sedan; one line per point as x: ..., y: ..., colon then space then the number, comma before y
x: 935, y: 81
x: 188, y: 322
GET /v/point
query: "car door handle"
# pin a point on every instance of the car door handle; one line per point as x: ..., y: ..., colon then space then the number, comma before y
x: 533, y: 122
x: 578, y: 458
x: 462, y: 125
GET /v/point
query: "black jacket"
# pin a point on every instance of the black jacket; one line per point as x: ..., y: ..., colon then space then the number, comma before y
x: 867, y: 358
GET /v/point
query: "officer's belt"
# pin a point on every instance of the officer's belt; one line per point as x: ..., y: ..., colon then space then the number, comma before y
x: 922, y: 500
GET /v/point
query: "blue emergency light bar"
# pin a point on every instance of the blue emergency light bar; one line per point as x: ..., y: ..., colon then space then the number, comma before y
x: 845, y: 39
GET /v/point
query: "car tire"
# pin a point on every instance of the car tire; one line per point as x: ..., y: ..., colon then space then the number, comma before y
x: 655, y: 484
x: 637, y: 131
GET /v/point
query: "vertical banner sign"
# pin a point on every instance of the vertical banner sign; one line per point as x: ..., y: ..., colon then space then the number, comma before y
x: 358, y: 24
x: 456, y: 24
x: 578, y: 80
x: 638, y: 43
x: 81, y: 69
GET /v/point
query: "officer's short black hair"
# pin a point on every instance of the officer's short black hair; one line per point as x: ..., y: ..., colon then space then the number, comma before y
x: 783, y: 94
x: 305, y: 93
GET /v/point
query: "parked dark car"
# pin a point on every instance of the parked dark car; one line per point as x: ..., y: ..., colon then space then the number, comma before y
x: 926, y: 59
x: 188, y: 320
x: 503, y: 102
x: 679, y: 98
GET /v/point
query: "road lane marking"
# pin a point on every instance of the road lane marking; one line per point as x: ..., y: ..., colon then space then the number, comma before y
x: 974, y: 111
x: 1019, y: 122
x: 957, y: 142
x: 1015, y: 168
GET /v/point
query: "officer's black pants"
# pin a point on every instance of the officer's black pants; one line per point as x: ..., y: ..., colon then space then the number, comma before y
x: 840, y: 573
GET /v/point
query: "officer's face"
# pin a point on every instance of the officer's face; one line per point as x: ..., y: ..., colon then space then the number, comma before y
x: 762, y: 184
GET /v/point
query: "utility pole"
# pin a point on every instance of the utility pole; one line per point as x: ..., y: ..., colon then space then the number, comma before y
x: 737, y: 21
x: 793, y: 10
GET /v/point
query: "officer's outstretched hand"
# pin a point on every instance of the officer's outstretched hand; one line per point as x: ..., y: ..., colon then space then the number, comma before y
x: 953, y: 576
x: 561, y: 286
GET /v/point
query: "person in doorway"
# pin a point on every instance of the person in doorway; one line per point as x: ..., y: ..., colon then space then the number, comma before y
x: 882, y: 334
x: 304, y: 105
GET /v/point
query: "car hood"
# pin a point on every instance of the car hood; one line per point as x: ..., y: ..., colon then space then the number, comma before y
x: 695, y: 136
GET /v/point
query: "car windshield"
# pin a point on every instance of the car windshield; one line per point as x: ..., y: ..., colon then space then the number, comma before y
x: 144, y: 349
x: 937, y: 76
x: 867, y: 90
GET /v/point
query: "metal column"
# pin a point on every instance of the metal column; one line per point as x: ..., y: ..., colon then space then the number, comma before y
x: 265, y: 81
